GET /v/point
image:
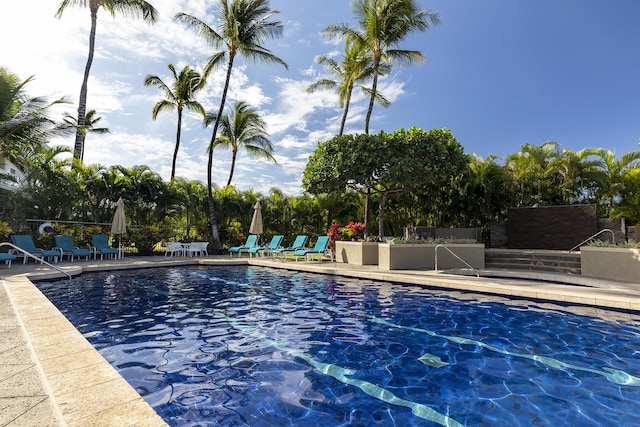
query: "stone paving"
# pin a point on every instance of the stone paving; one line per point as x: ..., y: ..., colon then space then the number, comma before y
x: 50, y: 375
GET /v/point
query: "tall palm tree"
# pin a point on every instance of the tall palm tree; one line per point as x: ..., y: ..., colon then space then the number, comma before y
x: 355, y: 67
x: 382, y: 26
x: 178, y: 96
x: 243, y: 25
x: 90, y: 126
x: 244, y: 129
x: 133, y: 8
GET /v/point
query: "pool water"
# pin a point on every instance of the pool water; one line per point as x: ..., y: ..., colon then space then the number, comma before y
x: 247, y: 346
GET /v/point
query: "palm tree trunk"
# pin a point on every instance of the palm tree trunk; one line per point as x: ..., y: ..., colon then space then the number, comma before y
x: 78, y: 148
x: 175, y: 151
x: 233, y: 165
x: 346, y: 110
x: 374, y: 88
x: 215, y: 236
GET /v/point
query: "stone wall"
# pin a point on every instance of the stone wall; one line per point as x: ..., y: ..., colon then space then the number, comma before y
x: 550, y: 227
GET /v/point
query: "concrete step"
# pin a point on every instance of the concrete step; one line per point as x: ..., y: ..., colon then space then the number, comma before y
x: 533, y: 260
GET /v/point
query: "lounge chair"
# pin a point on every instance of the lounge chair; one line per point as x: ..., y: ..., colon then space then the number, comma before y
x: 65, y: 245
x: 7, y: 258
x: 320, y: 249
x: 251, y: 242
x: 25, y: 243
x: 173, y: 248
x: 298, y: 243
x: 100, y: 245
x: 276, y: 242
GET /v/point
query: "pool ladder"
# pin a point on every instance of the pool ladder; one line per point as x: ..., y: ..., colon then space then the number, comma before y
x: 452, y: 253
x: 41, y: 260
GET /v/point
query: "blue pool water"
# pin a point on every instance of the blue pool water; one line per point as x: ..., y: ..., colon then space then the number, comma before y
x: 265, y: 347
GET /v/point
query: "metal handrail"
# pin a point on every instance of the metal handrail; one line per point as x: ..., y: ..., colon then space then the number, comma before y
x: 41, y: 260
x: 451, y: 252
x: 613, y: 238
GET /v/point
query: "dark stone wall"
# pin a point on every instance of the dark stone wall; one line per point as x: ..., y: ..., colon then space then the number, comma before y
x: 551, y: 227
x: 498, y: 234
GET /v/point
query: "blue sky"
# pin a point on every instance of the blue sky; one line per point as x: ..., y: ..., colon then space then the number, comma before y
x: 499, y: 73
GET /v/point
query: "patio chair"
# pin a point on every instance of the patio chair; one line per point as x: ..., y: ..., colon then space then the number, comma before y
x: 196, y: 248
x: 298, y: 243
x: 65, y: 245
x: 275, y: 243
x: 25, y: 243
x: 320, y: 249
x: 173, y: 248
x: 100, y: 245
x: 251, y: 242
x: 7, y: 258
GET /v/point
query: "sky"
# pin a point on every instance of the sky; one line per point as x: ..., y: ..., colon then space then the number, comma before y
x: 498, y: 74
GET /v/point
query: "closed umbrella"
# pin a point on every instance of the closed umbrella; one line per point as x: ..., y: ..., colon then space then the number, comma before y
x: 256, y: 221
x: 119, y: 224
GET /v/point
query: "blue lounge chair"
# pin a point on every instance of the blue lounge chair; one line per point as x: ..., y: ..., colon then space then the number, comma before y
x: 100, y: 244
x: 320, y: 249
x: 25, y: 243
x: 298, y: 243
x: 252, y: 241
x: 7, y: 258
x: 276, y: 242
x: 66, y: 247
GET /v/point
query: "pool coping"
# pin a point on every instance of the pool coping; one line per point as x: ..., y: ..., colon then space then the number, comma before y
x: 71, y: 384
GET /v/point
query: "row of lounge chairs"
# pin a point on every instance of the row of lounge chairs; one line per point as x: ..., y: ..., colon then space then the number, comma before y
x: 26, y: 249
x: 297, y: 250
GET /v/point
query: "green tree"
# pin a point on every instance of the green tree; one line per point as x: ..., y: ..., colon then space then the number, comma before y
x: 25, y: 122
x: 244, y: 129
x: 387, y: 164
x: 532, y: 171
x: 243, y: 26
x: 382, y: 26
x: 613, y: 171
x: 133, y: 8
x: 177, y: 96
x: 91, y: 121
x: 354, y: 68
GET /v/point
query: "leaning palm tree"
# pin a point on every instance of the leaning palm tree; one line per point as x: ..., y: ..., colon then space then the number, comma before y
x: 89, y: 126
x: 243, y: 25
x: 244, y: 129
x: 25, y: 122
x: 178, y: 96
x: 354, y: 68
x: 133, y: 8
x: 383, y: 25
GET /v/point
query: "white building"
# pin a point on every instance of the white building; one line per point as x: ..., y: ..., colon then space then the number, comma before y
x: 8, y: 169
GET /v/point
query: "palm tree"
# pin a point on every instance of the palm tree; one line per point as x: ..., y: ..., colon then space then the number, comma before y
x: 244, y: 129
x: 383, y: 25
x: 355, y: 67
x: 244, y: 24
x: 178, y: 96
x: 25, y: 122
x: 613, y: 172
x: 89, y: 126
x: 133, y: 8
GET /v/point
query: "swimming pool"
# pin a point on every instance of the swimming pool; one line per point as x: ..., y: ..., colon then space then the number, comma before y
x: 247, y: 346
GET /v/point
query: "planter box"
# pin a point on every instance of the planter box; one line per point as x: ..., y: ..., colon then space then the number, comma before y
x: 422, y: 256
x: 357, y: 253
x: 610, y: 263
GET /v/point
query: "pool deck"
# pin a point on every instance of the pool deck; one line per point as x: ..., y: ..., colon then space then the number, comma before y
x: 50, y: 375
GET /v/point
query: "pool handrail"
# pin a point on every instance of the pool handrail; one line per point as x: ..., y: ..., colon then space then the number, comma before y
x: 613, y: 238
x: 41, y: 260
x: 452, y: 253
